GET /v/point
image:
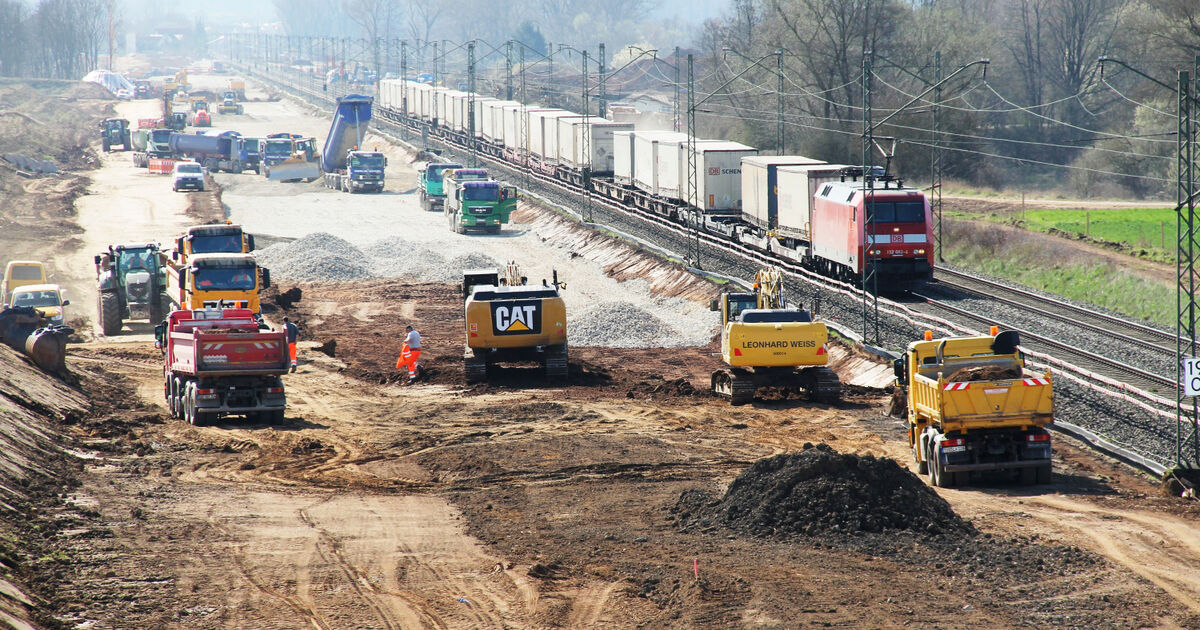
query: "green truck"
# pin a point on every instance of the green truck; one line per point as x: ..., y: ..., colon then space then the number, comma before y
x: 475, y: 202
x: 429, y: 181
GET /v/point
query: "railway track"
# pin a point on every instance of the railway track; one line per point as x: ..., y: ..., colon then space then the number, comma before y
x: 1121, y: 370
x: 1124, y: 380
x: 1136, y: 333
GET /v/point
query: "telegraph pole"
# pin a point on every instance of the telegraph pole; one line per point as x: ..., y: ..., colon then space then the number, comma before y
x: 935, y: 162
x: 678, y: 112
x: 870, y: 277
x: 433, y: 93
x: 603, y: 91
x: 587, y: 142
x: 780, y: 141
x: 693, y: 179
x: 1185, y: 265
x: 508, y: 88
x: 471, y: 102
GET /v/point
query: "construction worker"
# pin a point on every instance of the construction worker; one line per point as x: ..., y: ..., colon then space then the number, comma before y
x: 293, y: 333
x: 409, y: 353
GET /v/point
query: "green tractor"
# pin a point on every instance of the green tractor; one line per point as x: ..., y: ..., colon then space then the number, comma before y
x: 132, y: 284
x: 115, y: 132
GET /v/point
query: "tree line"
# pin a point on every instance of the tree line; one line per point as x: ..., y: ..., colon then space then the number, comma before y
x: 58, y: 39
x: 1043, y: 106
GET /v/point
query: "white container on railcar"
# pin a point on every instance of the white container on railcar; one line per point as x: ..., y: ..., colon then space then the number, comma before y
x: 760, y: 186
x: 623, y: 157
x: 542, y: 125
x: 517, y: 126
x: 797, y: 186
x: 595, y: 134
x: 646, y: 146
x: 719, y: 175
x: 491, y: 120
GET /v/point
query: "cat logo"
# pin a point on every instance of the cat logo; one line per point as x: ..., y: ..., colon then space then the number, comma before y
x: 517, y: 318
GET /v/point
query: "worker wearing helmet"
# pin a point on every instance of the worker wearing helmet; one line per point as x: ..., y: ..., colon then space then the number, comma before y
x: 409, y: 353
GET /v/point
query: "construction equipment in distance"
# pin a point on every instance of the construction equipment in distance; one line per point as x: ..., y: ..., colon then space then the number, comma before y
x: 346, y: 167
x: 973, y: 407
x: 229, y: 105
x: 219, y: 362
x: 510, y: 321
x: 475, y: 202
x: 132, y: 283
x: 115, y: 132
x: 766, y: 343
x: 302, y: 162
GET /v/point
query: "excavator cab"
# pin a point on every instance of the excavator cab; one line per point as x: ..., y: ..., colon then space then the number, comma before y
x: 731, y: 305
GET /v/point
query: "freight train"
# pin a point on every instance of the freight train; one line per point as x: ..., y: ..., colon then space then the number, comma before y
x: 828, y: 217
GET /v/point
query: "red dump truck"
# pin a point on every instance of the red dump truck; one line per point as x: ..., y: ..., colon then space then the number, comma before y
x: 218, y: 362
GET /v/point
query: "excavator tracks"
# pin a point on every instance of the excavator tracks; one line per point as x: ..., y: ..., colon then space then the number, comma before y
x: 822, y: 384
x: 556, y: 363
x: 736, y: 386
x: 474, y: 368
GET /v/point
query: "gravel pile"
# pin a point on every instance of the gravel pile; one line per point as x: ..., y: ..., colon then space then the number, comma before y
x: 620, y: 325
x: 316, y: 257
x: 819, y: 492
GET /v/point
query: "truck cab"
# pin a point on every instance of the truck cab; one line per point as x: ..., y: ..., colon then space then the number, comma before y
x: 248, y: 153
x: 474, y: 202
x: 274, y: 150
x: 158, y: 143
x: 365, y: 170
x: 218, y: 281
x: 974, y: 407
x: 429, y: 180
x: 216, y: 238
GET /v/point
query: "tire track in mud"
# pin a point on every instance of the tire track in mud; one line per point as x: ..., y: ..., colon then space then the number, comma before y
x: 359, y: 582
x: 238, y: 553
x: 1162, y: 550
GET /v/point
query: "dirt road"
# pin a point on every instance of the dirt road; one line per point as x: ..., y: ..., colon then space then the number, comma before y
x: 524, y: 505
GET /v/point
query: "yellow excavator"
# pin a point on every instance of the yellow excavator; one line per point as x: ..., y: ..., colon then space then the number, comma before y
x: 766, y: 343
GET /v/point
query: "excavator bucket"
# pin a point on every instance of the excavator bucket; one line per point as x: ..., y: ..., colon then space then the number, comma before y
x: 293, y: 170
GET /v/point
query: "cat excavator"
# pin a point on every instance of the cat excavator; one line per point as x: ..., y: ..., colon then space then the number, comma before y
x: 767, y: 344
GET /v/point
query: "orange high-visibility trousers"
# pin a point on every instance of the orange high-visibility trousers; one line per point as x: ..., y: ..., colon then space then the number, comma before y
x: 408, y: 359
x: 292, y: 351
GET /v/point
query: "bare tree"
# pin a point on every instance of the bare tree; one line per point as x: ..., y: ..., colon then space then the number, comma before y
x: 12, y: 38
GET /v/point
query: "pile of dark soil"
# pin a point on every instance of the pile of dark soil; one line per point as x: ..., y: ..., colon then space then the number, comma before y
x: 987, y: 373
x: 654, y: 386
x: 820, y: 492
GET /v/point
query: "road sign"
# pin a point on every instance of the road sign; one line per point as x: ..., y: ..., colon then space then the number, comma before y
x: 1191, y: 376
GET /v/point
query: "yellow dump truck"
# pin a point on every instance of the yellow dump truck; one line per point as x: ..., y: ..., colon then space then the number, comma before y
x: 766, y: 343
x: 509, y: 321
x: 973, y: 407
x: 217, y: 281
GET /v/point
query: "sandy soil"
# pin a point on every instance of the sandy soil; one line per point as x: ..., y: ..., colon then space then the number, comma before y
x: 523, y: 505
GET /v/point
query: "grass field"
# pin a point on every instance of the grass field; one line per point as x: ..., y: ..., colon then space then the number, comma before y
x: 1144, y: 232
x: 1030, y: 260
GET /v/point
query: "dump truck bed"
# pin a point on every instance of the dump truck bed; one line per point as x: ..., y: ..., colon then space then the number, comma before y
x: 987, y: 404
x: 226, y: 347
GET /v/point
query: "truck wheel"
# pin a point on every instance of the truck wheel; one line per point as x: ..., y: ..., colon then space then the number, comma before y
x: 236, y: 168
x: 110, y: 314
x: 1044, y: 475
x: 107, y: 146
x: 922, y: 466
x: 1028, y: 476
x: 493, y: 229
x: 126, y: 145
x: 189, y: 403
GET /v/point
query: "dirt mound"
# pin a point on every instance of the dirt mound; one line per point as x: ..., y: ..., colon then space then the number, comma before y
x: 819, y: 492
x: 286, y: 299
x: 985, y: 373
x: 656, y: 387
